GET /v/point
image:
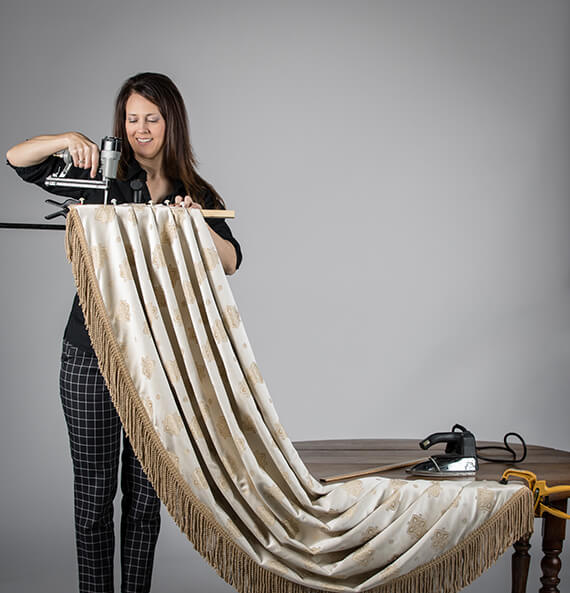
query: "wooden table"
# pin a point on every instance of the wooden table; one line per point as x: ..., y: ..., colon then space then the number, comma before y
x: 328, y: 458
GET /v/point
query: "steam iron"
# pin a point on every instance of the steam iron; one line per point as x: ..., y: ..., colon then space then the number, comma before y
x: 459, y: 460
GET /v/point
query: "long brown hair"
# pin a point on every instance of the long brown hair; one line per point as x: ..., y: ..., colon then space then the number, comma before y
x: 179, y: 159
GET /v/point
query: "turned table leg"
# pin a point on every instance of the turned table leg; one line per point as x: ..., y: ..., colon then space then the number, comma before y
x: 553, y: 532
x: 520, y: 564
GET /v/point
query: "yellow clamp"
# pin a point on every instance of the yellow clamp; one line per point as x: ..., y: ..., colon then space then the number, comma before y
x: 540, y: 491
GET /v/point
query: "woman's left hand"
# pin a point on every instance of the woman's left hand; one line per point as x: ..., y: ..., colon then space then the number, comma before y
x: 225, y: 249
x: 186, y: 202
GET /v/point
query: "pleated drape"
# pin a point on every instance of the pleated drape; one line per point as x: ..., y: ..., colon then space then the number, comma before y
x: 174, y: 352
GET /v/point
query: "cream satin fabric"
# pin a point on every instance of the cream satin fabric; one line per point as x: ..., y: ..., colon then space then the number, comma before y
x: 183, y: 342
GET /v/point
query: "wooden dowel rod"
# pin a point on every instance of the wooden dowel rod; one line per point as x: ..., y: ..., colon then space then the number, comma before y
x: 219, y: 213
x: 374, y: 470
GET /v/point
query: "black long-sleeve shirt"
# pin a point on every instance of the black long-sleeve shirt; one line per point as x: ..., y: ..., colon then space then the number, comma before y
x: 75, y: 331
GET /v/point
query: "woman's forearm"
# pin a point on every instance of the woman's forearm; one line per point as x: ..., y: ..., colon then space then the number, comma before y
x: 36, y: 150
x: 84, y: 152
x: 226, y: 251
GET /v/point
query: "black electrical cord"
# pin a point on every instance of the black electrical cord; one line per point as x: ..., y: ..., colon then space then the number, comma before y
x: 505, y: 448
x: 508, y: 448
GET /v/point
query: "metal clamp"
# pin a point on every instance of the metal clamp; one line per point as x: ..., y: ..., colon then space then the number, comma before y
x: 540, y: 490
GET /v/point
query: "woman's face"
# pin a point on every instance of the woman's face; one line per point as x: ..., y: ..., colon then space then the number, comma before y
x: 145, y: 128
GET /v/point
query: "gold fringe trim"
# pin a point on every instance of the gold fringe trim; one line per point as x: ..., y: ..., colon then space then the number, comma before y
x: 448, y: 573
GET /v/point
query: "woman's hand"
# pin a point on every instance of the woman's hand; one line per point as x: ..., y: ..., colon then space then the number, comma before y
x: 83, y: 151
x: 186, y: 202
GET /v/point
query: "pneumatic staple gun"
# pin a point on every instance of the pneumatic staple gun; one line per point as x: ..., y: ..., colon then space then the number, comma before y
x: 109, y: 162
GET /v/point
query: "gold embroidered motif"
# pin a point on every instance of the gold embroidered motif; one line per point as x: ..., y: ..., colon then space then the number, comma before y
x: 353, y: 488
x: 254, y: 374
x: 439, y: 539
x: 211, y: 258
x: 372, y: 531
x: 131, y: 216
x: 232, y: 315
x: 485, y: 499
x: 188, y: 292
x: 195, y: 428
x: 177, y: 316
x: 243, y: 388
x: 99, y: 256
x: 172, y: 424
x: 200, y: 272
x: 168, y: 233
x: 199, y: 479
x: 417, y: 526
x: 105, y: 214
x: 434, y: 491
x: 152, y: 310
x: 397, y: 484
x: 207, y: 352
x: 157, y: 259
x: 173, y: 371
x: 125, y: 270
x: 364, y: 555
x: 219, y: 331
x: 123, y: 311
x: 147, y: 366
x: 393, y: 502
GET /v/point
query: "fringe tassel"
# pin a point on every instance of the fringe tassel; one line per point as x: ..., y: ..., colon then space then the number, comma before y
x: 448, y: 573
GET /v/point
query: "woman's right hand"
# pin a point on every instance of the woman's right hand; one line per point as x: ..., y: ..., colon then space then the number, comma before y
x: 83, y: 151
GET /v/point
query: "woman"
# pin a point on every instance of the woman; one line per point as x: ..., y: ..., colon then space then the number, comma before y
x: 151, y: 120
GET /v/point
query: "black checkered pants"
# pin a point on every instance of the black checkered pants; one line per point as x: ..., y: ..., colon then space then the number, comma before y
x: 95, y: 436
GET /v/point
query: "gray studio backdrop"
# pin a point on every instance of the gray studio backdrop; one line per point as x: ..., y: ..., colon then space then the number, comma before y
x: 399, y: 171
